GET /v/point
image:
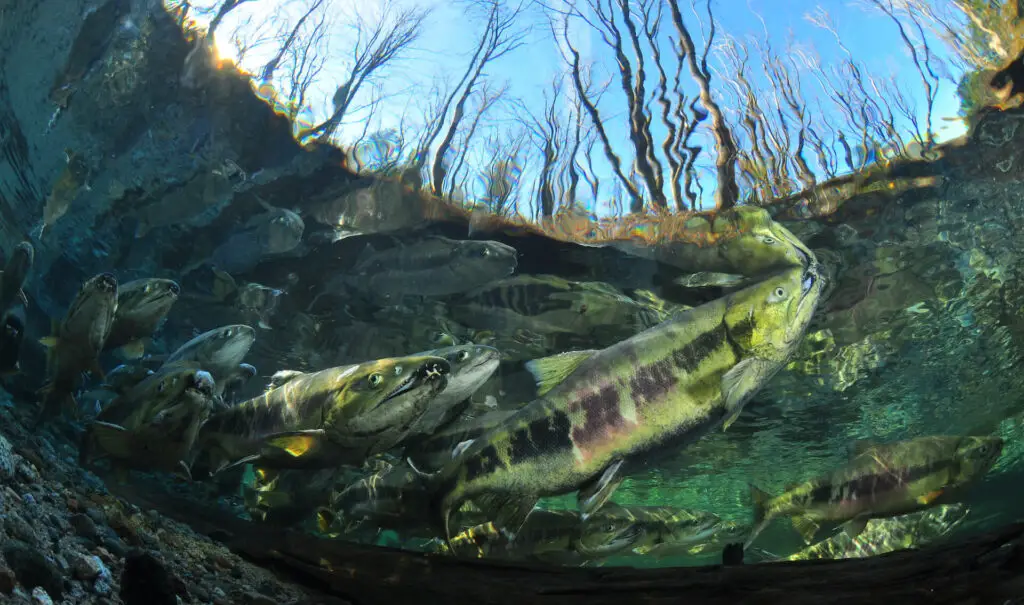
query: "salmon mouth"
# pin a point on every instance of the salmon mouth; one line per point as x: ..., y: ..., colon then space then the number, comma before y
x: 201, y: 382
x: 434, y: 371
x: 106, y: 282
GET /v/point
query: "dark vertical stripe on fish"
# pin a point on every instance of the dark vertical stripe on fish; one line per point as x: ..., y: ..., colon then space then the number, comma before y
x: 652, y: 382
x: 868, y: 486
x: 547, y: 434
x: 485, y: 463
x: 689, y: 357
x: 601, y: 414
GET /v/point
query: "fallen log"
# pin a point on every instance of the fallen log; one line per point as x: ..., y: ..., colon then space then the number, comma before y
x: 985, y: 569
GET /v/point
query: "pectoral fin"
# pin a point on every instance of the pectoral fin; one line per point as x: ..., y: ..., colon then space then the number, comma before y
x: 595, y: 493
x: 741, y: 382
x: 930, y: 497
x: 551, y: 371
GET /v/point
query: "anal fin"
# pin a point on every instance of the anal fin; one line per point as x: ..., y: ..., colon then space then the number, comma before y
x: 854, y: 527
x: 807, y: 527
x: 594, y: 494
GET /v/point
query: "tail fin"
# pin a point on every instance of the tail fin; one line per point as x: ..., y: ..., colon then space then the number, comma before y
x: 760, y: 499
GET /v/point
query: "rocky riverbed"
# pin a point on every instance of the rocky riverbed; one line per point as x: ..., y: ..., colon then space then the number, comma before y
x: 66, y: 539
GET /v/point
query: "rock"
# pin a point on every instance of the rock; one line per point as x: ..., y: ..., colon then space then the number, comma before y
x: 87, y: 567
x: 7, y: 580
x: 146, y: 581
x: 7, y: 461
x: 40, y: 597
x: 98, y: 516
x: 19, y: 528
x: 32, y: 569
x: 85, y: 527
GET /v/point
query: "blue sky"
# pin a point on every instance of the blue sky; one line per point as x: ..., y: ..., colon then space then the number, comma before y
x: 451, y: 33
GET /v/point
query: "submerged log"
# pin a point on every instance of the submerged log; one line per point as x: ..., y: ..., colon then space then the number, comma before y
x: 986, y: 569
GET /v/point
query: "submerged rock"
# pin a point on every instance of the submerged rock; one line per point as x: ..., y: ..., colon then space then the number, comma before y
x: 33, y: 569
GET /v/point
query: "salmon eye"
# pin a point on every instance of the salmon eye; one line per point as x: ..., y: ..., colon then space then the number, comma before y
x: 375, y: 380
x: 777, y: 295
x: 768, y: 240
x: 462, y: 356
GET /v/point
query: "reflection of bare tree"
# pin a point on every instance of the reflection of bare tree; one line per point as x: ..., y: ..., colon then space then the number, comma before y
x: 727, y: 193
x: 308, y: 41
x: 549, y: 139
x: 486, y: 99
x: 376, y: 46
x: 502, y: 35
x: 632, y: 31
x: 501, y: 182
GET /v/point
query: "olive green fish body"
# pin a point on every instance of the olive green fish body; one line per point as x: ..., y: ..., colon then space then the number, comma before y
x: 549, y: 305
x: 882, y: 481
x: 359, y: 410
x: 741, y: 240
x: 664, y: 530
x: 157, y: 433
x: 662, y: 388
x: 141, y: 306
x: 79, y: 339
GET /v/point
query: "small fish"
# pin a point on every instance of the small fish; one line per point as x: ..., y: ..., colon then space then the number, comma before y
x: 550, y: 305
x: 334, y: 416
x: 665, y: 530
x: 75, y: 346
x: 706, y: 279
x: 253, y: 300
x: 391, y: 499
x: 600, y: 413
x: 13, y: 277
x: 435, y: 266
x: 71, y: 181
x: 880, y: 481
x: 141, y: 306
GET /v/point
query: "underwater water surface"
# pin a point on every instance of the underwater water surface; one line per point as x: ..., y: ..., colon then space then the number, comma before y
x: 607, y: 283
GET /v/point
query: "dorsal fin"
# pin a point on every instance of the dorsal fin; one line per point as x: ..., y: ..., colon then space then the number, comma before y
x: 550, y: 371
